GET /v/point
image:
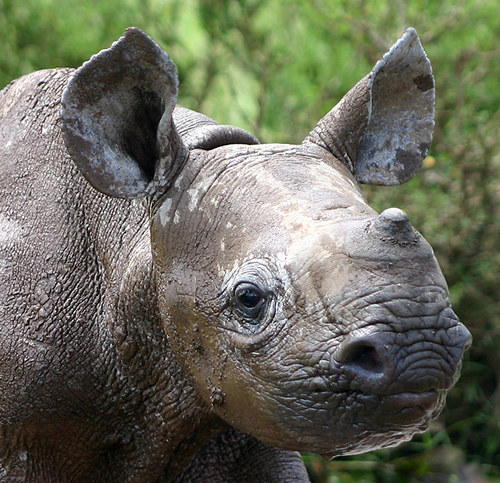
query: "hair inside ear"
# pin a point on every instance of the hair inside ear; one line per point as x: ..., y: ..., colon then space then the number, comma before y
x: 140, y: 134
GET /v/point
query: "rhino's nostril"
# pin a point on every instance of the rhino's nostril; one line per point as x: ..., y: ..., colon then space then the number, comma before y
x: 369, y: 360
x: 365, y: 357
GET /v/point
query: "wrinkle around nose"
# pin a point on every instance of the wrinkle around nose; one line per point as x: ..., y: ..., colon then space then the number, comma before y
x: 415, y: 360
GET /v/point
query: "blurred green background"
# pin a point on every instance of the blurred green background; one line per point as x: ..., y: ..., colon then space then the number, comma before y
x: 275, y: 68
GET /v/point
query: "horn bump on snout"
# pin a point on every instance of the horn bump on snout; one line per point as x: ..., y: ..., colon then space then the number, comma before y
x: 393, y: 224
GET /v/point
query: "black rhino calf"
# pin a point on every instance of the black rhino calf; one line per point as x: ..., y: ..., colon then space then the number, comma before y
x: 181, y: 303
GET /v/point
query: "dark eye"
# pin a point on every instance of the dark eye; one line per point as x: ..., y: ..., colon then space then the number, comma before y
x: 250, y: 299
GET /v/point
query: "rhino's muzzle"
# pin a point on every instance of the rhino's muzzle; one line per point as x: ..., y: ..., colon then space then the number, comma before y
x: 387, y: 384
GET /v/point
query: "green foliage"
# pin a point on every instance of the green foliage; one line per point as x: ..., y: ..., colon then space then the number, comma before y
x: 276, y: 67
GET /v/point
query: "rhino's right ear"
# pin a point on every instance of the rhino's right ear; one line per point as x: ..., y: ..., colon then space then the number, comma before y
x: 117, y: 118
x: 382, y: 128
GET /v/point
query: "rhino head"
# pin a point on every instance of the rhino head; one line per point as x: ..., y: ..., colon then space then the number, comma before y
x: 300, y: 315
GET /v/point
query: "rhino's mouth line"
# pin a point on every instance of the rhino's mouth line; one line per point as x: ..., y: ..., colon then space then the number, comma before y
x: 409, y: 407
x: 414, y: 409
x: 425, y: 402
x: 408, y: 398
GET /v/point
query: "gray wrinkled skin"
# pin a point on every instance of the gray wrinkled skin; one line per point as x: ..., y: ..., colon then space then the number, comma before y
x: 180, y: 303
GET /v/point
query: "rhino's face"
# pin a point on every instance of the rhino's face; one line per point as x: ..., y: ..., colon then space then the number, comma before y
x: 302, y: 317
x: 305, y: 319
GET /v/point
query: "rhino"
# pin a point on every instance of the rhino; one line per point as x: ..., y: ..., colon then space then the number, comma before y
x: 180, y: 303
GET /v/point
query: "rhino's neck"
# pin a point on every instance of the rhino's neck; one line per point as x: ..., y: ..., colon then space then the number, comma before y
x: 169, y: 421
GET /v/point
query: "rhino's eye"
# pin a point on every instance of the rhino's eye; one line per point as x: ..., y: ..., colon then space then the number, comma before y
x: 250, y: 299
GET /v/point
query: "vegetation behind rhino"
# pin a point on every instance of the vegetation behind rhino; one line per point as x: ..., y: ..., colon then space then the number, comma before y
x: 197, y: 306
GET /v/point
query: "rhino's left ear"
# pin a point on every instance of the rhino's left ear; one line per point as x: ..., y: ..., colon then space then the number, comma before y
x: 382, y: 128
x: 117, y: 118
